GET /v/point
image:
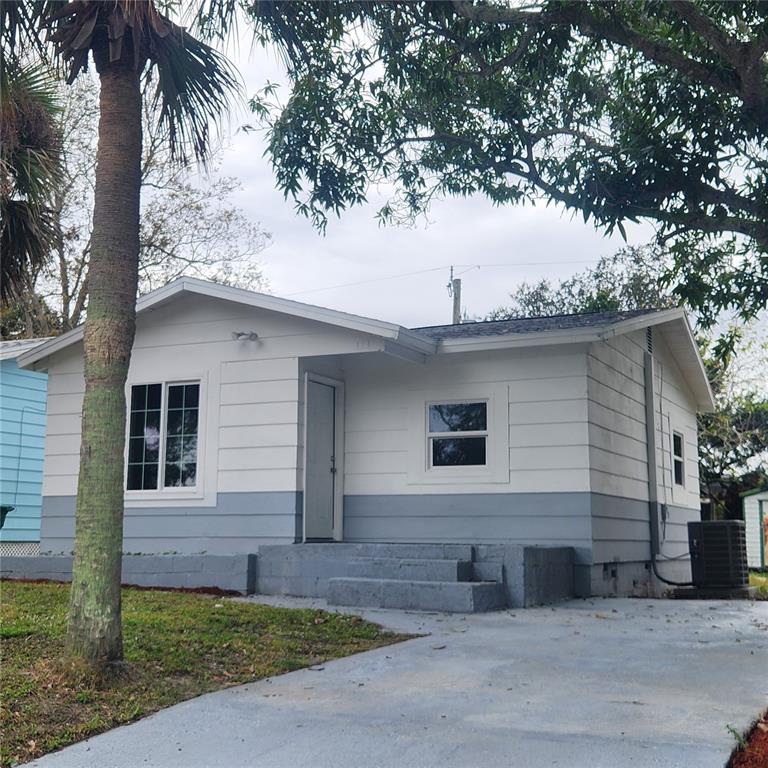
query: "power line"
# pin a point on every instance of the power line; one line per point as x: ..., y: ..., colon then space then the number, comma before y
x: 469, y: 268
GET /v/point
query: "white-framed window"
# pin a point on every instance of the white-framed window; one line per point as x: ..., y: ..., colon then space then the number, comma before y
x: 457, y: 434
x: 163, y: 430
x: 678, y: 459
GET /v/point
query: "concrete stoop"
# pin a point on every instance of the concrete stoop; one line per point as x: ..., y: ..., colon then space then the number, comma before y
x: 461, y: 578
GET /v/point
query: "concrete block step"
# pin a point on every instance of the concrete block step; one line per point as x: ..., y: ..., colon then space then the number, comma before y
x: 450, y: 596
x: 487, y: 572
x: 413, y: 569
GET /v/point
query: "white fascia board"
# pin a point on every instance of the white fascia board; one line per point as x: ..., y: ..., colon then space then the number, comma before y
x: 515, y: 340
x: 379, y: 328
x: 642, y: 321
x: 28, y: 359
x: 693, y: 365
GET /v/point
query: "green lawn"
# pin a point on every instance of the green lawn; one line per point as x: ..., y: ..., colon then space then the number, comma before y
x: 759, y: 580
x: 178, y: 645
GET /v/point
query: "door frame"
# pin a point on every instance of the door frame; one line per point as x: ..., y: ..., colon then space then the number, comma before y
x: 338, y: 452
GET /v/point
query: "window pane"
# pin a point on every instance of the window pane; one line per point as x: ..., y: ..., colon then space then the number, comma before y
x: 181, y: 440
x: 191, y: 395
x: 189, y: 451
x: 154, y: 393
x: 144, y: 437
x: 678, y: 472
x: 134, y: 477
x: 152, y: 448
x: 190, y: 422
x: 175, y: 419
x: 176, y: 396
x: 135, y: 449
x: 139, y: 398
x: 458, y: 417
x: 150, y: 476
x: 458, y: 451
x: 677, y: 444
x: 188, y: 474
x: 173, y: 449
x: 137, y: 424
x: 172, y: 475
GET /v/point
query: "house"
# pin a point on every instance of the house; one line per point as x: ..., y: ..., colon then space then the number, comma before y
x: 755, y: 505
x: 264, y: 428
x: 22, y: 434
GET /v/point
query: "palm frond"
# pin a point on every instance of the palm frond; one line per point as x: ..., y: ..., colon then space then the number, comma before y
x: 27, y: 232
x: 30, y: 166
x: 194, y: 86
x: 30, y: 154
x: 193, y: 82
x: 23, y: 33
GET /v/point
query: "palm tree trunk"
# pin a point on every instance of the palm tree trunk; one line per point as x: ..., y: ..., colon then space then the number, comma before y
x: 95, y: 627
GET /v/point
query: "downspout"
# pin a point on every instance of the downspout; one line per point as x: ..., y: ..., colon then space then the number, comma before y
x: 653, y: 482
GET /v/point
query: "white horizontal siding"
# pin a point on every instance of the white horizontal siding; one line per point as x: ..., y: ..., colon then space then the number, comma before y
x: 618, y: 454
x: 546, y: 426
x: 250, y: 417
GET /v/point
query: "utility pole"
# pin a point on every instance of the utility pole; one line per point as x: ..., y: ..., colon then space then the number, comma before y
x: 454, y: 290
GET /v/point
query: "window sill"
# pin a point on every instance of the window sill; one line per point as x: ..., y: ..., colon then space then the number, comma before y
x: 157, y: 498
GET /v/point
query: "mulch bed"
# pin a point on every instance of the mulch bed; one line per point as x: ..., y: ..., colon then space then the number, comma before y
x: 755, y: 753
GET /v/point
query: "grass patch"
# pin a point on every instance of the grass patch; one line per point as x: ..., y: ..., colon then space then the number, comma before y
x: 759, y: 579
x: 177, y: 646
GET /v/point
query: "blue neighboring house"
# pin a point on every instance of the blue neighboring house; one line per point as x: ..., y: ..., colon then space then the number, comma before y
x: 22, y: 445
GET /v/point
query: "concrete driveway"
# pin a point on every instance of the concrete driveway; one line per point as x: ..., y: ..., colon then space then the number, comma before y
x: 587, y: 683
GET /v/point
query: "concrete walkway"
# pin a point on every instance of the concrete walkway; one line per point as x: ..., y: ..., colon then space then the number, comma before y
x: 588, y: 683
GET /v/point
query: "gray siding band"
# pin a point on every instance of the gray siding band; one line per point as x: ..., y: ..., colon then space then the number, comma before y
x: 601, y: 528
x: 520, y: 518
x: 238, y: 524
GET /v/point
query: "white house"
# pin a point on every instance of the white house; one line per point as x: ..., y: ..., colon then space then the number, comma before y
x: 255, y: 421
x: 755, y: 505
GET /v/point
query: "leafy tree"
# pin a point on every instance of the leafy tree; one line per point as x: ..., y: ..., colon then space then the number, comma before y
x: 733, y: 441
x: 132, y: 44
x: 622, y: 111
x: 188, y: 225
x: 27, y: 315
x: 629, y: 279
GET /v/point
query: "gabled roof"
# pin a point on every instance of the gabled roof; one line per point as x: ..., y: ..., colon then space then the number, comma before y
x: 10, y: 350
x: 193, y: 286
x: 416, y: 343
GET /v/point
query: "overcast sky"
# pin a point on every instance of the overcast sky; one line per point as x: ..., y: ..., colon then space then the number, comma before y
x: 529, y: 242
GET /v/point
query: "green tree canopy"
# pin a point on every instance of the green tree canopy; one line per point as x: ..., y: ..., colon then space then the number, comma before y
x: 628, y: 279
x: 622, y: 111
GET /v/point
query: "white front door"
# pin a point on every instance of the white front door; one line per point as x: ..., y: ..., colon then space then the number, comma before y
x: 319, y: 455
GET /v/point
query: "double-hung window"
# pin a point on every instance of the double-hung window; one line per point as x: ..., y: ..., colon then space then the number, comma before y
x: 162, y: 436
x: 457, y: 434
x: 678, y: 458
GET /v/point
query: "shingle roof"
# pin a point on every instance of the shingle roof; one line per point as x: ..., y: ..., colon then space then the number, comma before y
x: 9, y: 350
x: 530, y: 324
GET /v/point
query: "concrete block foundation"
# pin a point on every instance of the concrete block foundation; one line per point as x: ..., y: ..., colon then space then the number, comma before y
x: 228, y: 572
